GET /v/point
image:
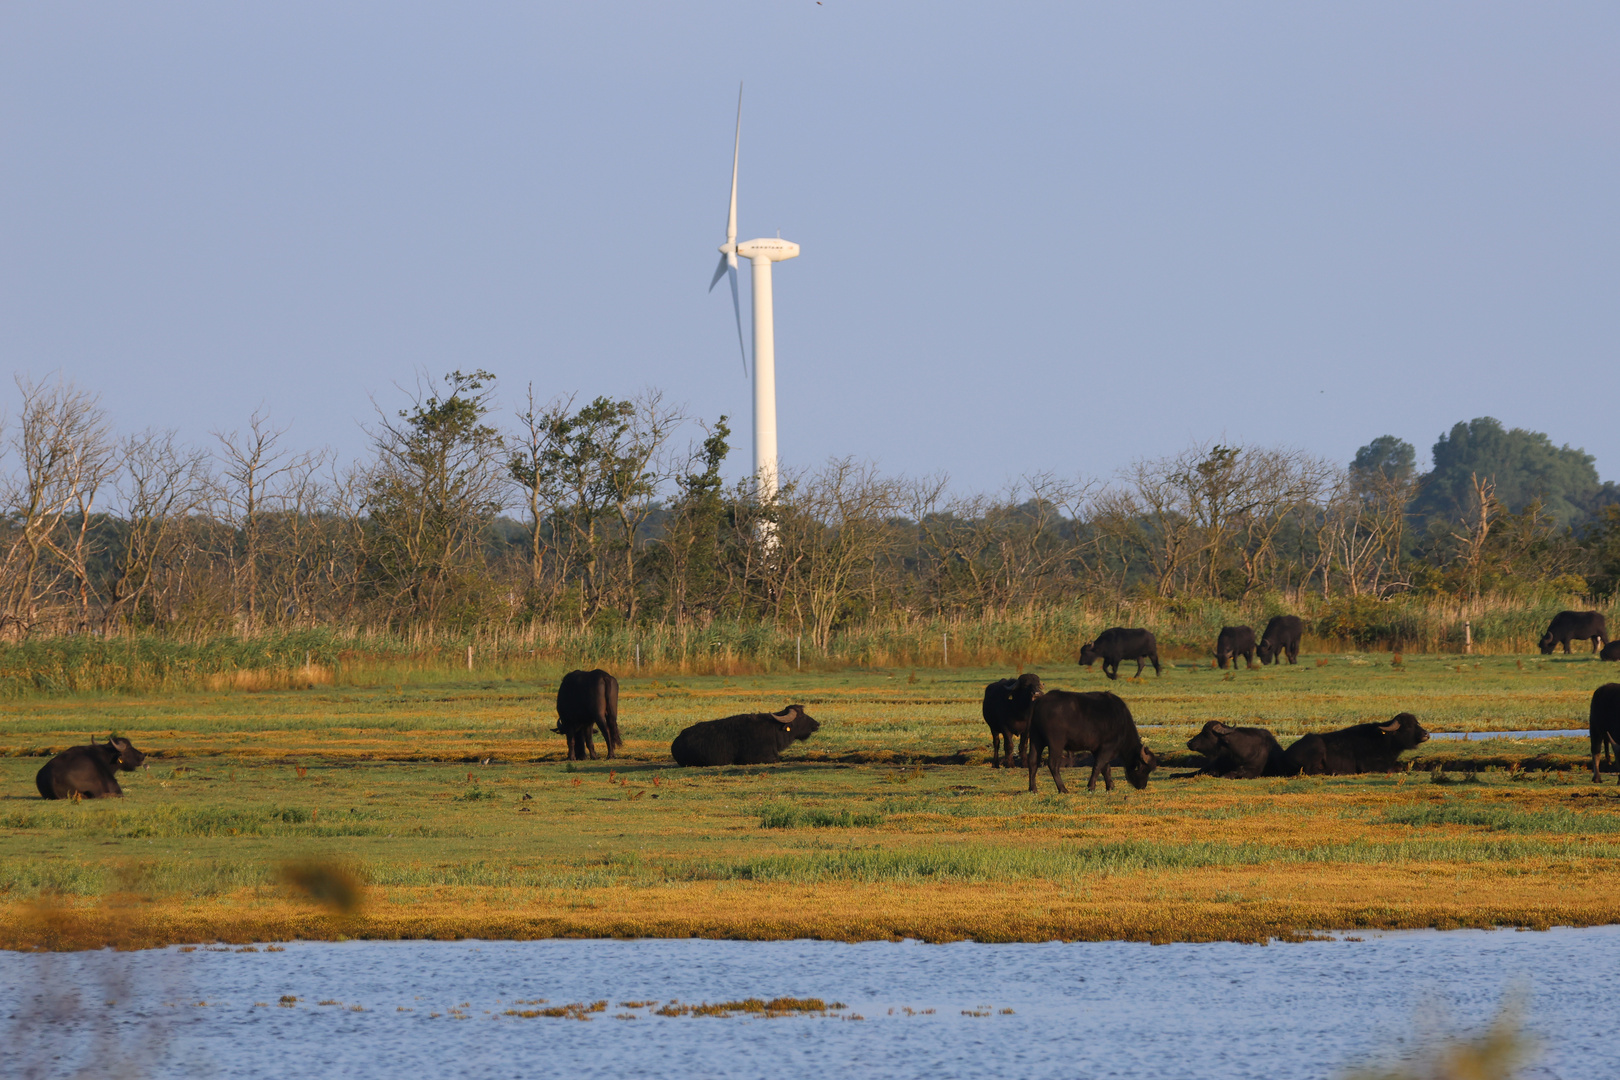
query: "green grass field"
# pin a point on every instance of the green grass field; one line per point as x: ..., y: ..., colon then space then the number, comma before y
x: 889, y: 822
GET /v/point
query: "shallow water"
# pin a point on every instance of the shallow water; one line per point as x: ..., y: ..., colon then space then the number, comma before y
x: 1109, y: 1009
x: 1567, y: 733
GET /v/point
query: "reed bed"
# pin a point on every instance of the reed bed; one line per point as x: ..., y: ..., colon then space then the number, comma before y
x: 1186, y: 629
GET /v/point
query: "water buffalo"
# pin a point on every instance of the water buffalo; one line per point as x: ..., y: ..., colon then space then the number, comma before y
x: 1359, y: 749
x: 586, y: 700
x: 1568, y: 626
x: 1006, y: 709
x: 1604, y: 723
x: 1281, y: 637
x: 87, y: 771
x: 1611, y: 651
x: 1099, y: 723
x: 1240, y: 753
x: 1233, y: 642
x: 750, y: 739
x: 1120, y: 643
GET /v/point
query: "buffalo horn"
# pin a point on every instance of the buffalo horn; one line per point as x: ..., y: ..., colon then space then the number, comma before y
x: 1390, y: 728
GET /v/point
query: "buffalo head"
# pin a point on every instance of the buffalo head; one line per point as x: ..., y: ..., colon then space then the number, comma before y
x: 1208, y: 741
x: 1547, y: 643
x: 1140, y: 764
x: 1405, y: 731
x: 796, y: 722
x: 1089, y: 654
x: 124, y: 753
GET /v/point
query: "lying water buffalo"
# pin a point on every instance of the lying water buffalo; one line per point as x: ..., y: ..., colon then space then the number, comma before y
x: 1099, y: 723
x: 1282, y: 636
x: 1568, y: 626
x: 1611, y: 651
x: 1121, y: 643
x: 1239, y: 753
x: 587, y: 700
x: 1233, y: 642
x: 750, y: 739
x: 1006, y: 710
x: 1359, y: 749
x: 1604, y: 723
x: 88, y: 771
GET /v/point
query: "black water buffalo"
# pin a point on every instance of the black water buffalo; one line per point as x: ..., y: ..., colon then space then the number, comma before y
x: 1097, y: 722
x: 1233, y: 642
x: 88, y: 771
x: 1239, y: 753
x: 1006, y: 709
x: 586, y: 700
x: 1360, y: 749
x: 1568, y: 626
x: 1611, y: 651
x: 750, y: 739
x: 1604, y: 723
x: 1281, y: 637
x: 1120, y: 643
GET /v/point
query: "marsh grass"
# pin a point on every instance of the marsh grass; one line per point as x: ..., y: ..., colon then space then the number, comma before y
x: 1506, y: 818
x: 861, y: 818
x: 787, y: 816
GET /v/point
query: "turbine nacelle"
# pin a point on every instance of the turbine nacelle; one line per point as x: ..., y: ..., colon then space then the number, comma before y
x: 772, y: 249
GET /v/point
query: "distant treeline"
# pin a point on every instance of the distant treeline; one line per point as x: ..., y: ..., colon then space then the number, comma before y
x: 610, y: 521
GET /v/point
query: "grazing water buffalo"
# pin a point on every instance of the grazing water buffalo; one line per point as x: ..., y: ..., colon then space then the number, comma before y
x: 1239, y: 753
x: 1006, y: 709
x: 1282, y: 636
x: 1233, y: 642
x: 1117, y: 644
x: 750, y: 739
x: 1098, y: 723
x: 1568, y: 626
x: 1604, y: 723
x: 1359, y: 749
x: 586, y: 700
x: 1611, y: 651
x: 87, y: 771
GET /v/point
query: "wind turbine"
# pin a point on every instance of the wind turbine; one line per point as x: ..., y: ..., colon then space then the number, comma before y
x: 762, y: 253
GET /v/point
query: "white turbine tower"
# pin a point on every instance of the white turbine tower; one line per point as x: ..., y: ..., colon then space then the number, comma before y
x: 761, y: 253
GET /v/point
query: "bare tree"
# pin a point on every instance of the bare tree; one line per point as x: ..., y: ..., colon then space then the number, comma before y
x: 64, y: 450
x: 258, y: 480
x: 161, y: 483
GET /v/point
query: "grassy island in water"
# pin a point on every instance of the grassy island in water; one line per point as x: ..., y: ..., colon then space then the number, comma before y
x: 438, y: 806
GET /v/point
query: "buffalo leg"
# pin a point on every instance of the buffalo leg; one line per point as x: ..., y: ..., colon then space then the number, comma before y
x: 1138, y: 667
x: 607, y: 736
x: 1097, y: 765
x: 1597, y: 777
x: 1032, y: 760
x: 1054, y: 763
x: 1023, y: 746
x: 1000, y: 744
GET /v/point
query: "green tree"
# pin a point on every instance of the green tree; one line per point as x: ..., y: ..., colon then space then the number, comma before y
x: 431, y: 495
x: 1523, y: 465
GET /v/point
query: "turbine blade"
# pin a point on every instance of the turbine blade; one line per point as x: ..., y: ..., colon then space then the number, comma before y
x: 736, y: 148
x: 736, y: 306
x: 719, y: 272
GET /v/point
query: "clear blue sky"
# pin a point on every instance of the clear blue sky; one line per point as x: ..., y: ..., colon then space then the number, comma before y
x: 1035, y: 236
